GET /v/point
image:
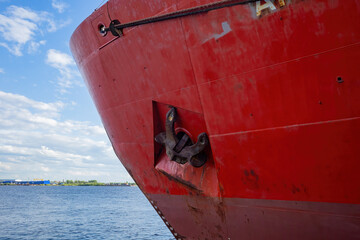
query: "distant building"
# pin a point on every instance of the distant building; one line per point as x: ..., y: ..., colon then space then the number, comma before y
x: 33, y: 182
x: 8, y: 181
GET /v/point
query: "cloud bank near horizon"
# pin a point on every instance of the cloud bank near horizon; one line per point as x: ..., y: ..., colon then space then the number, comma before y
x: 35, y: 142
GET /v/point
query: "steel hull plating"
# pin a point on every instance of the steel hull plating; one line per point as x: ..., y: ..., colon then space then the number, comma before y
x: 276, y: 87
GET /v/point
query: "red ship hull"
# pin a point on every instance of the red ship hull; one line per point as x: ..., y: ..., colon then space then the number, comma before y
x: 275, y: 87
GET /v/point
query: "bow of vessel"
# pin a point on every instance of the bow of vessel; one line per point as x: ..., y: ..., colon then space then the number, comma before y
x: 237, y: 119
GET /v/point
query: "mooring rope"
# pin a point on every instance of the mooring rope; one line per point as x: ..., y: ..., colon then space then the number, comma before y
x: 116, y: 27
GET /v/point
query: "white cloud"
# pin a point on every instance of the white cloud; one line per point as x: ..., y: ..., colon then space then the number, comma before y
x: 59, y: 6
x: 34, y: 46
x: 19, y: 26
x: 10, y: 101
x: 36, y: 143
x: 14, y: 48
x: 65, y: 64
x: 4, y: 166
x: 2, y: 70
x: 23, y: 13
x: 45, y: 169
x: 58, y: 59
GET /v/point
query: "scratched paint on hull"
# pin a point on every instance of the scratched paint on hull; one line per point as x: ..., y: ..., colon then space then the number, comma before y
x: 230, y: 218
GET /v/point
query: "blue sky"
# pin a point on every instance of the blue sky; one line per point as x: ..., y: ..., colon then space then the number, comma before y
x: 49, y: 127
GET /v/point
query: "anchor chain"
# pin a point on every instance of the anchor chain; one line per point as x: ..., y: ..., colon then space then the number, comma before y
x: 179, y: 147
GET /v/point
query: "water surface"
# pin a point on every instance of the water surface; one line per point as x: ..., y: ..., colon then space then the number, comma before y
x: 59, y: 212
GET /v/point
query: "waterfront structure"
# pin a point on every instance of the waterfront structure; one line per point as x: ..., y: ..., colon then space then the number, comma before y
x: 21, y: 182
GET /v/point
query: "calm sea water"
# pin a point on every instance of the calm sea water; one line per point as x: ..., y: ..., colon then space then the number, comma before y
x: 78, y: 213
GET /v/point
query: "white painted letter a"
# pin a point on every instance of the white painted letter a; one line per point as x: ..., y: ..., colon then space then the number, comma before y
x: 267, y: 4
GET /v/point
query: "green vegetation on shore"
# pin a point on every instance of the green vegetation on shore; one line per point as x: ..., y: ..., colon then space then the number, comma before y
x: 81, y: 183
x: 92, y: 183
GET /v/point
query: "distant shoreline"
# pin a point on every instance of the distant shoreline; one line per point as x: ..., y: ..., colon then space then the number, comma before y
x: 49, y: 185
x: 67, y: 183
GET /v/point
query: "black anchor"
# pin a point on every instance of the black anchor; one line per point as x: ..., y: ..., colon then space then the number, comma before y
x: 182, y: 150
